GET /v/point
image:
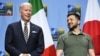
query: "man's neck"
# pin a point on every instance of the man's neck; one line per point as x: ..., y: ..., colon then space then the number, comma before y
x: 76, y: 30
x: 25, y: 20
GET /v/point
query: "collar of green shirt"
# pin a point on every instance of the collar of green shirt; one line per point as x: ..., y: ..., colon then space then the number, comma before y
x: 71, y: 33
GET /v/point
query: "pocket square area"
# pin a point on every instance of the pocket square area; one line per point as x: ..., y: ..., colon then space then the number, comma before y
x: 34, y: 31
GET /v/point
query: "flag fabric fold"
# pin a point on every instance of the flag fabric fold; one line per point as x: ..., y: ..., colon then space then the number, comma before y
x: 92, y: 23
x: 39, y: 18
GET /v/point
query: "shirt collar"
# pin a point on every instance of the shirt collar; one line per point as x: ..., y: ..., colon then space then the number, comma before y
x: 71, y: 33
x: 24, y: 22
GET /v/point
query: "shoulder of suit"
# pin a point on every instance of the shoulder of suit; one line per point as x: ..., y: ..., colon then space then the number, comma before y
x: 34, y: 25
x: 14, y: 23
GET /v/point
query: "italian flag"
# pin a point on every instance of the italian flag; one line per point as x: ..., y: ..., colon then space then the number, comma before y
x: 92, y: 23
x: 39, y: 18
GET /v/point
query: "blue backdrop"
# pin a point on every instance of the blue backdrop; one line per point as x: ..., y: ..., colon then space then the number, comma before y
x: 57, y: 11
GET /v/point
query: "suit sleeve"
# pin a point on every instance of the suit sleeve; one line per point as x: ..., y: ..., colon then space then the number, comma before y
x: 40, y: 46
x: 9, y: 41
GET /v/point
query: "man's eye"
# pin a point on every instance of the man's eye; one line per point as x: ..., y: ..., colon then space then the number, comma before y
x: 71, y: 19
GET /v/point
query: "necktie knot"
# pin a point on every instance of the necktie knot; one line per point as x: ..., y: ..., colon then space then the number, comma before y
x: 25, y: 23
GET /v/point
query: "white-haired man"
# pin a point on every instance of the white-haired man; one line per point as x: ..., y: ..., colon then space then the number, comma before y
x: 24, y: 38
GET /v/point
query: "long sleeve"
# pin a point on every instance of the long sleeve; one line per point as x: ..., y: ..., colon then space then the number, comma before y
x: 9, y: 40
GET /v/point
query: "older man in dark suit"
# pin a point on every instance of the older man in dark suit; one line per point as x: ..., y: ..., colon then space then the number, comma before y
x: 24, y: 38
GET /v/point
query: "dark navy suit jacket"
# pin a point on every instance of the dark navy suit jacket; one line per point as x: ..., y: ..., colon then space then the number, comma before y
x: 15, y: 43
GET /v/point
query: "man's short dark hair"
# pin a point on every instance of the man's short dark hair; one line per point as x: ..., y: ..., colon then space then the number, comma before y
x: 76, y: 15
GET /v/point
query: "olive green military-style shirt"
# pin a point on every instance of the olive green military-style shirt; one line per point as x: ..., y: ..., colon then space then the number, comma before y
x: 74, y: 45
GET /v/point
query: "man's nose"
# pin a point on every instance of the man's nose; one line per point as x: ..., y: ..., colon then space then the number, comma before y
x: 28, y: 12
x: 69, y: 21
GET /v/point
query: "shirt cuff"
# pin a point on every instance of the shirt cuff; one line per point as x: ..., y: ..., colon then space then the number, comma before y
x: 29, y: 54
x: 20, y: 54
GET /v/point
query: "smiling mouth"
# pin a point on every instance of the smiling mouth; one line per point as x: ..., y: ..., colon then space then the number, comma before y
x: 69, y: 24
x: 28, y: 16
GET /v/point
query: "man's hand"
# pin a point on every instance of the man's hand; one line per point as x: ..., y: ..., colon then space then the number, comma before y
x: 25, y: 55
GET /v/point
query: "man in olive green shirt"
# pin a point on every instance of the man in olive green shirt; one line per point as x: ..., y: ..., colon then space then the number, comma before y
x: 75, y: 42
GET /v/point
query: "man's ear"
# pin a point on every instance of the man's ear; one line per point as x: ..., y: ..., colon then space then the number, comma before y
x: 78, y: 21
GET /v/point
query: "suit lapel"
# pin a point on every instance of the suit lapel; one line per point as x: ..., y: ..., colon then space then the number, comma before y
x: 20, y: 30
x: 31, y: 26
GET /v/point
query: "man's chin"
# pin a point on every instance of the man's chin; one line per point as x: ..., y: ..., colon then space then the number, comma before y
x: 71, y: 28
x: 27, y: 19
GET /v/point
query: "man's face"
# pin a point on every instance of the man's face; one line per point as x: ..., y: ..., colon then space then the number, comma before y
x: 26, y: 12
x: 73, y: 22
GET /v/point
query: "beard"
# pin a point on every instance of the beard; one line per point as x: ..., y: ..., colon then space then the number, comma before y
x: 73, y: 27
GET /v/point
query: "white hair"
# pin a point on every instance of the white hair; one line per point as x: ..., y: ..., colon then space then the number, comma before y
x: 25, y: 3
